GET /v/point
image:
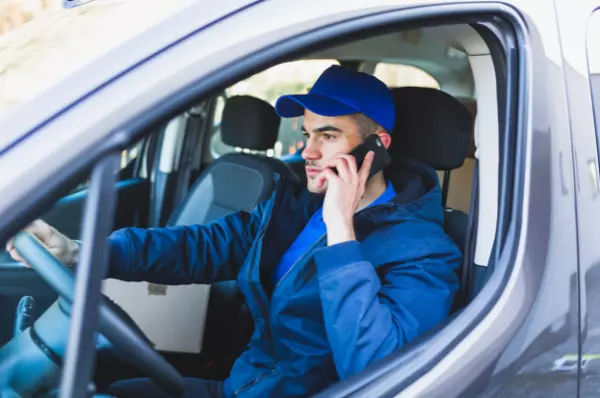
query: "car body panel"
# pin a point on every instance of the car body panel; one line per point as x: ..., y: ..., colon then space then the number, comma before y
x: 575, y: 31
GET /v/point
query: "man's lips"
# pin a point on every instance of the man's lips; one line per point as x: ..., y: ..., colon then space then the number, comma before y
x: 312, y: 171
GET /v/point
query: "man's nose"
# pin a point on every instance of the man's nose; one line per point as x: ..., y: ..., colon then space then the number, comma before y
x: 311, y: 151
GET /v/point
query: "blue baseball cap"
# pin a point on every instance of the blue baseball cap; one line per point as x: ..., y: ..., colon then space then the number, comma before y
x: 340, y: 91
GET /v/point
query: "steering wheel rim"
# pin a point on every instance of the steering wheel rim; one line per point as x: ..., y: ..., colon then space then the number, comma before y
x: 111, y: 324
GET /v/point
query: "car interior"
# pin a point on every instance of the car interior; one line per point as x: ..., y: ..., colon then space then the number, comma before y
x: 223, y: 154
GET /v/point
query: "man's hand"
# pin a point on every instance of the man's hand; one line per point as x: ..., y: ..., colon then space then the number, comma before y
x: 344, y: 192
x: 63, y: 248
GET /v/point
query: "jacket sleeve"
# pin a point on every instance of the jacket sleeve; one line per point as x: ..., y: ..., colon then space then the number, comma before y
x: 184, y: 254
x: 368, y: 316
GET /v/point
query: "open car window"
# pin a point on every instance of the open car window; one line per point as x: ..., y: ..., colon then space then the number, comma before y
x: 294, y: 77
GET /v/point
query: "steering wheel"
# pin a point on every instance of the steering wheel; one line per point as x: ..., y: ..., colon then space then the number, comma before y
x: 121, y: 332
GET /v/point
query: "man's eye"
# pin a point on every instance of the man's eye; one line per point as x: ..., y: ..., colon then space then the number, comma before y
x: 328, y: 137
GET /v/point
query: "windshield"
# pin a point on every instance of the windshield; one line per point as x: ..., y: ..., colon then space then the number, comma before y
x: 41, y: 42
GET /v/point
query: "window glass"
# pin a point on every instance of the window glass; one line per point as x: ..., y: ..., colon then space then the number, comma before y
x: 397, y: 75
x: 288, y: 78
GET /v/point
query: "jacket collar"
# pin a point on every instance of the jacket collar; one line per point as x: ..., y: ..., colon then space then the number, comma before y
x: 418, y: 195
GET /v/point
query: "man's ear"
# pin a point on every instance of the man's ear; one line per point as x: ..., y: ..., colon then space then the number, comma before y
x: 385, y: 137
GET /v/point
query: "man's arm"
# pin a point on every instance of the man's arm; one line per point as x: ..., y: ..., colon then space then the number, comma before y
x: 184, y: 254
x: 367, y: 318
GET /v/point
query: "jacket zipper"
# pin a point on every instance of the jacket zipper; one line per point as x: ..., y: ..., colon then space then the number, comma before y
x: 302, y: 258
x: 253, y: 382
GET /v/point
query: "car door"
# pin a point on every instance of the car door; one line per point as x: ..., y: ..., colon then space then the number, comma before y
x: 584, y: 84
x: 465, y: 352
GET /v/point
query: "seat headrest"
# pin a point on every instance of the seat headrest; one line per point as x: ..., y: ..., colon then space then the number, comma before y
x: 249, y: 122
x: 431, y: 126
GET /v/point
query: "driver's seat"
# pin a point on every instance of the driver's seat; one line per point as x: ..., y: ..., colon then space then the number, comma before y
x: 233, y: 182
x: 236, y: 181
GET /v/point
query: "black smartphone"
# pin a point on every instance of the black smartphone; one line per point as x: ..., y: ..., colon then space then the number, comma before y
x: 380, y: 160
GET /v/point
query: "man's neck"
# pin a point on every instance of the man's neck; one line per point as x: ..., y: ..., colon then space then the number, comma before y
x: 376, y: 186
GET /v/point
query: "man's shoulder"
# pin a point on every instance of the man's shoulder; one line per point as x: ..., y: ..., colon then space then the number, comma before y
x: 414, y: 231
x: 405, y: 241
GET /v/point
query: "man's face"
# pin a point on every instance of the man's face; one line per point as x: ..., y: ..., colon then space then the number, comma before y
x: 326, y: 136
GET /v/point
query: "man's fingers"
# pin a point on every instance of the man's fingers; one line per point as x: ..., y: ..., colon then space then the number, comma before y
x: 351, y: 163
x: 39, y: 229
x: 17, y: 257
x: 340, y: 165
x: 326, y: 175
x: 10, y: 245
x: 365, y: 168
x: 345, y: 165
x: 322, y: 177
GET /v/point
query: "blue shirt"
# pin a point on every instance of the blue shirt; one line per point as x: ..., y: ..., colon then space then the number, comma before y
x: 314, y: 229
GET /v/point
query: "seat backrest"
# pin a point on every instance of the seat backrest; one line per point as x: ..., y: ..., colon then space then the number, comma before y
x: 456, y: 223
x: 236, y: 181
x: 431, y: 126
x: 233, y: 182
x: 434, y: 127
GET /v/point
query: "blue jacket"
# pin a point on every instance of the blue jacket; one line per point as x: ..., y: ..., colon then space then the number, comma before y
x: 339, y: 308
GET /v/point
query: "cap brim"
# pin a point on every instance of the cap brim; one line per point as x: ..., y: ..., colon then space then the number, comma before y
x: 294, y: 105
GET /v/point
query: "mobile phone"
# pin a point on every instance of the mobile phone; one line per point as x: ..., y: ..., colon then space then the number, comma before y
x: 380, y: 160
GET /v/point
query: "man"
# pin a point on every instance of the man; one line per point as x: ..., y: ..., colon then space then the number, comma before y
x: 336, y: 276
